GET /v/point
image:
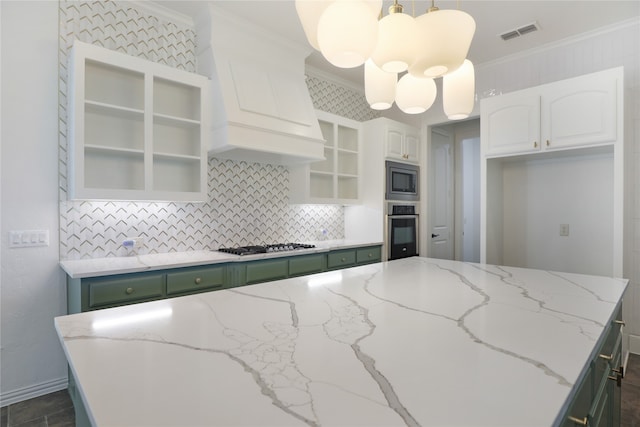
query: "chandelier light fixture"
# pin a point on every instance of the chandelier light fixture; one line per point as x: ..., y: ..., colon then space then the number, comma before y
x: 401, y: 54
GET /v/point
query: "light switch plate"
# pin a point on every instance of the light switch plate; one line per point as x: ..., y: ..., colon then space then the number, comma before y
x: 28, y: 238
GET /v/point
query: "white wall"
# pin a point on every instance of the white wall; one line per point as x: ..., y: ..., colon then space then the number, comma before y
x: 539, y: 195
x: 32, y: 288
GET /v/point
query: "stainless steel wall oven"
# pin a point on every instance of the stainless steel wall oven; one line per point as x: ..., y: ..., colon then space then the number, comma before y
x: 402, y: 230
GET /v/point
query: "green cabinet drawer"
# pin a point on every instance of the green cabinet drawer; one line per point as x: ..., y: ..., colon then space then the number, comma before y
x: 341, y: 259
x: 104, y: 292
x: 262, y: 271
x: 195, y: 280
x: 306, y: 264
x: 369, y: 254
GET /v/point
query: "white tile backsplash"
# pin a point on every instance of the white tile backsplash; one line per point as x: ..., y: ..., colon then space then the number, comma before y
x: 248, y: 202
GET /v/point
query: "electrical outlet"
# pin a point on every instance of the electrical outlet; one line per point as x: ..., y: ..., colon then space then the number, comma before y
x: 564, y: 229
x: 133, y: 242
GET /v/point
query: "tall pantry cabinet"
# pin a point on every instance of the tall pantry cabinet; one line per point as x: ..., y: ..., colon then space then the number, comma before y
x: 552, y: 176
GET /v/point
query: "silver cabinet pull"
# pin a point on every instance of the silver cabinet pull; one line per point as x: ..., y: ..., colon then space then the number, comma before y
x: 605, y: 357
x: 535, y: 144
x: 129, y: 291
x: 198, y: 280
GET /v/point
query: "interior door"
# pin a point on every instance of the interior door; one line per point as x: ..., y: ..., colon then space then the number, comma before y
x: 440, y: 201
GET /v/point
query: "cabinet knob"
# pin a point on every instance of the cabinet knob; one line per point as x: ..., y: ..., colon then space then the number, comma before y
x: 343, y: 259
x: 583, y: 422
x: 535, y: 144
x: 548, y: 143
x: 129, y: 291
x: 370, y: 255
x: 198, y: 280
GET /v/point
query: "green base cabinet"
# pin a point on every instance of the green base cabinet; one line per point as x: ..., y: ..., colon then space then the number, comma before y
x: 598, y: 397
x: 368, y: 255
x: 341, y: 259
x: 195, y: 280
x: 263, y: 271
x: 307, y: 264
x: 121, y: 289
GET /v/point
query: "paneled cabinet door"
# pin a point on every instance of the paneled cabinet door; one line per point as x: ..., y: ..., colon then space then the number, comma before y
x: 510, y: 124
x: 403, y: 144
x: 581, y: 111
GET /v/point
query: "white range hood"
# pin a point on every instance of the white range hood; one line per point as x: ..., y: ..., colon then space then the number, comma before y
x: 261, y: 108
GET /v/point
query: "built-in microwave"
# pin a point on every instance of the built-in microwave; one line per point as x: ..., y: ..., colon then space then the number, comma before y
x: 402, y: 181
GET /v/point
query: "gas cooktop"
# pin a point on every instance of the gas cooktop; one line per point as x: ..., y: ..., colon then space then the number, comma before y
x: 263, y: 249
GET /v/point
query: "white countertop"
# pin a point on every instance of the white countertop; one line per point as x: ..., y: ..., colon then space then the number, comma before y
x: 415, y: 341
x: 78, y: 269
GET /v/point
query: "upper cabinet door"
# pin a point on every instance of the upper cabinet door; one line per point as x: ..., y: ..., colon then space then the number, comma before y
x: 395, y: 138
x: 403, y: 143
x: 412, y: 147
x: 582, y: 111
x: 136, y: 128
x: 510, y: 124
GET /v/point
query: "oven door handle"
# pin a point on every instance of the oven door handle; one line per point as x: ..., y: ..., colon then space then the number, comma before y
x: 401, y: 216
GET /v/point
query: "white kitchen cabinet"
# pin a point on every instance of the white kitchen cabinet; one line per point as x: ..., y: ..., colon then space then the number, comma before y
x: 511, y: 123
x: 136, y: 128
x: 402, y: 142
x: 572, y: 113
x: 558, y: 205
x: 337, y: 178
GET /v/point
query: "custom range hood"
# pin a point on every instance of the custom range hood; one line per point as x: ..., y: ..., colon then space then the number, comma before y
x: 261, y: 108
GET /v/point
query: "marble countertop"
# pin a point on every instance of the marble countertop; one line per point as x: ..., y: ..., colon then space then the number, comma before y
x: 78, y: 269
x: 415, y: 341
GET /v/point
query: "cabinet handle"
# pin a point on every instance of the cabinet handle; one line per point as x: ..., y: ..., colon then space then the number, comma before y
x: 535, y: 144
x: 619, y: 371
x: 605, y: 357
x: 620, y: 322
x: 129, y: 291
x: 617, y: 379
x: 582, y: 422
x: 198, y: 280
x: 548, y: 143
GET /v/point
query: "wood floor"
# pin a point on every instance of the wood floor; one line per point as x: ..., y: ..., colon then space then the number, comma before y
x: 56, y: 409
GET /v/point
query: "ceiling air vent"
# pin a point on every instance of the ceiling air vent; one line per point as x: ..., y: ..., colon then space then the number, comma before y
x: 525, y: 29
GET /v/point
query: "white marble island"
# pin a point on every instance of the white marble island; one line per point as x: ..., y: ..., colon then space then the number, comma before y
x: 409, y: 342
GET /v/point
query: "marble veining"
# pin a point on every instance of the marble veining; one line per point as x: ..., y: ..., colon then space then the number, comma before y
x: 408, y: 342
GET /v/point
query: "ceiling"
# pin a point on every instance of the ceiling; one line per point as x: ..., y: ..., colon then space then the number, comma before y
x: 557, y: 20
